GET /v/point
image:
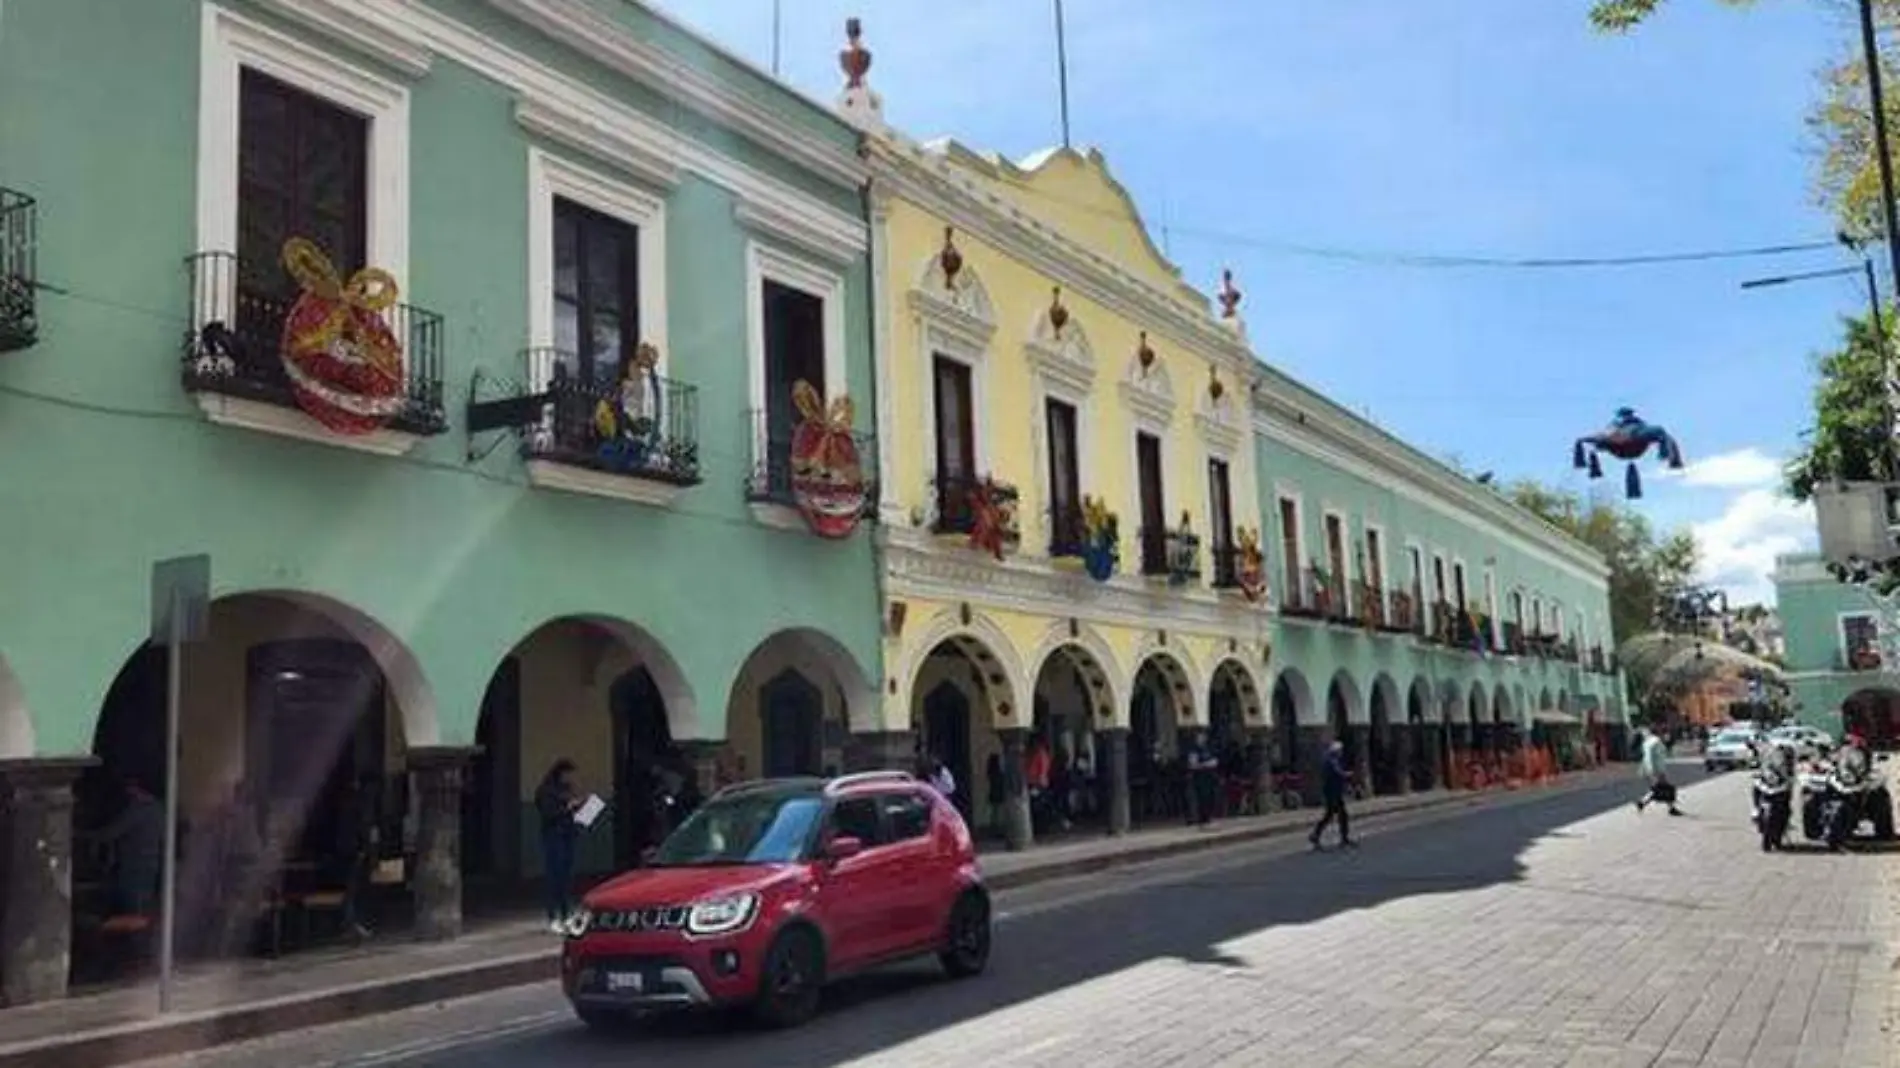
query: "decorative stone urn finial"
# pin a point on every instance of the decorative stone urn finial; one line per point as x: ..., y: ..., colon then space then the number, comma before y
x: 1145, y: 353
x: 854, y: 59
x: 858, y: 104
x: 1214, y: 387
x: 1229, y: 295
x: 1058, y: 315
x: 950, y: 259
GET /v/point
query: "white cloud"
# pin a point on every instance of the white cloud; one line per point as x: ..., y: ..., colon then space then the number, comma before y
x: 1748, y: 468
x: 1737, y: 548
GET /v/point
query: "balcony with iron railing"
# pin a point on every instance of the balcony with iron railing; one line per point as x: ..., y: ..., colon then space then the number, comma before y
x: 640, y: 426
x: 851, y: 461
x: 958, y: 500
x: 1404, y: 615
x: 1329, y: 595
x: 1513, y: 636
x: 235, y: 346
x: 1371, y: 601
x: 19, y: 275
x: 1225, y: 558
x: 1068, y: 530
x: 1300, y: 599
x: 1860, y: 656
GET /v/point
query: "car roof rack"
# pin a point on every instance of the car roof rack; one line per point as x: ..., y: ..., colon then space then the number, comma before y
x: 753, y: 785
x: 862, y: 778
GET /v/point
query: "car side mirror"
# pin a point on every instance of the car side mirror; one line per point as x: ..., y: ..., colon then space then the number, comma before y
x: 843, y: 847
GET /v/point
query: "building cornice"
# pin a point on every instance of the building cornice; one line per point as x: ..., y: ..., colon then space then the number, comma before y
x: 368, y: 35
x: 1423, y: 481
x: 914, y: 174
x: 593, y: 34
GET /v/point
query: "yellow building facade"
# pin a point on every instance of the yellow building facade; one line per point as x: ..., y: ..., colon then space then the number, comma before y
x: 1040, y: 364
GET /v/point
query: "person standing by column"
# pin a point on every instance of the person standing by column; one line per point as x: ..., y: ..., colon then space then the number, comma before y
x: 1334, y: 781
x: 556, y: 801
x: 1203, y: 781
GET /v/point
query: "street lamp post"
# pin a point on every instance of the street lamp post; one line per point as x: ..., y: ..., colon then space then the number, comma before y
x: 1870, y: 45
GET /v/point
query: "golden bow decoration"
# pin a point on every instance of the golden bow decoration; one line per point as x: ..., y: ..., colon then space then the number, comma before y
x: 371, y: 290
x: 811, y: 408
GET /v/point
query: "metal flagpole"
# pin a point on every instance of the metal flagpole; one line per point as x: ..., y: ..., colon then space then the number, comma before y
x: 1062, y: 71
x: 168, y: 890
x: 777, y: 20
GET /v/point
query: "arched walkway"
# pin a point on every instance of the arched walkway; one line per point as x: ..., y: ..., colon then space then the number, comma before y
x: 1874, y: 713
x: 1426, y: 736
x: 1233, y: 704
x: 1345, y: 719
x: 1385, y: 744
x: 16, y: 720
x: 961, y: 693
x: 794, y: 703
x: 1477, y: 724
x: 1506, y: 731
x: 1292, y: 710
x: 603, y: 693
x: 1163, y: 715
x: 298, y: 715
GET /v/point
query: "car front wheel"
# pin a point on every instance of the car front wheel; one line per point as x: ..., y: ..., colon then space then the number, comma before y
x: 966, y: 951
x: 792, y: 980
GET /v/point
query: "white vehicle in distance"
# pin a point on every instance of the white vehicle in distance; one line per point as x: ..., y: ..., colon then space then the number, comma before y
x: 1807, y: 742
x: 1730, y: 749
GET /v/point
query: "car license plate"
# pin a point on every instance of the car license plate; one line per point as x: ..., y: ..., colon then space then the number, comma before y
x: 625, y: 982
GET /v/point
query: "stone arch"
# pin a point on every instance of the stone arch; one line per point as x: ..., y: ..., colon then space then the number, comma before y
x: 16, y: 720
x: 1543, y: 700
x: 1563, y: 700
x: 681, y: 703
x: 964, y: 293
x: 402, y: 673
x: 1185, y: 688
x: 1419, y: 701
x: 1385, y: 748
x: 1478, y: 704
x: 1253, y: 706
x: 1451, y: 701
x: 1085, y: 648
x: 983, y: 643
x: 1352, y: 698
x: 1292, y: 692
x: 810, y: 645
x: 1503, y: 710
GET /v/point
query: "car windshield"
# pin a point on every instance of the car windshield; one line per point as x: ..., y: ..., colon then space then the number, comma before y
x: 1733, y: 738
x: 767, y: 827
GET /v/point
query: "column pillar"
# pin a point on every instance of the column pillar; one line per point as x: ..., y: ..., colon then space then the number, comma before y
x: 436, y: 881
x: 882, y: 751
x: 1018, y: 831
x: 1311, y: 760
x: 1401, y: 758
x: 36, y: 913
x: 1260, y: 744
x: 1114, y: 773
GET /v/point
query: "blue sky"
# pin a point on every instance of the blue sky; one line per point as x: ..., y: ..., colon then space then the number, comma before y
x: 1489, y: 127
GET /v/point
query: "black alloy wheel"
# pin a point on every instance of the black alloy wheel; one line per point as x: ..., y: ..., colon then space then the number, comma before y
x: 792, y: 980
x: 966, y: 953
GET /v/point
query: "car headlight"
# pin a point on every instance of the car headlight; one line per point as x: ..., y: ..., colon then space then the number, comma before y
x: 722, y: 915
x: 578, y: 922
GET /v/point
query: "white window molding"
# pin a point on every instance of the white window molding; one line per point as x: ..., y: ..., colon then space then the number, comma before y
x: 1328, y: 514
x: 1439, y: 566
x: 230, y: 44
x: 1139, y: 425
x: 1148, y: 393
x: 551, y: 177
x: 1537, y: 614
x: 371, y: 37
x: 1496, y: 626
x: 1058, y: 389
x: 642, y: 149
x: 1841, y: 620
x: 1285, y: 494
x: 1377, y: 561
x: 1461, y: 597
x: 765, y: 263
x: 952, y: 317
x: 1219, y: 420
x: 947, y: 348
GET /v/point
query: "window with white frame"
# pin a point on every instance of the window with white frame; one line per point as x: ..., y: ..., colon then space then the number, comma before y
x: 1860, y: 642
x: 596, y: 272
x: 1291, y: 549
x: 796, y: 328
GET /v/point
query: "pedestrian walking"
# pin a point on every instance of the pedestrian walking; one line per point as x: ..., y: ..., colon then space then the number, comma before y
x: 556, y: 801
x: 1334, y: 780
x: 1656, y: 772
x: 943, y: 780
x: 1203, y: 781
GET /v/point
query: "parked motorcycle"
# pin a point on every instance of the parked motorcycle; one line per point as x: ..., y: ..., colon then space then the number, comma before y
x: 1837, y: 797
x: 1773, y: 794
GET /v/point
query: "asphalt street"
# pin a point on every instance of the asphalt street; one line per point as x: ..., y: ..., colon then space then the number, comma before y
x: 1562, y: 930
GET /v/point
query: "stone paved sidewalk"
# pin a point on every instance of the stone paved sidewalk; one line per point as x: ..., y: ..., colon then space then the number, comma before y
x: 232, y: 1002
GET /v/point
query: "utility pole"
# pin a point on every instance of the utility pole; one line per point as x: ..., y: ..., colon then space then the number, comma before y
x: 1883, y: 158
x: 1062, y: 73
x: 778, y: 13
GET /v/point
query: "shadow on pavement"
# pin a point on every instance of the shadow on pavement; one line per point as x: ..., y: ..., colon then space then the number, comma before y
x: 1188, y: 920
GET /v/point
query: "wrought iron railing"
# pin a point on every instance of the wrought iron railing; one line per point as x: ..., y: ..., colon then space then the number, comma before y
x: 1404, y: 615
x: 1372, y: 609
x: 1300, y: 598
x: 770, y: 478
x: 1598, y: 663
x: 1225, y: 560
x: 1514, y: 643
x: 1329, y: 595
x: 645, y: 426
x: 1152, y: 543
x: 956, y: 497
x: 19, y: 274
x: 1183, y: 549
x: 235, y: 344
x: 1068, y: 530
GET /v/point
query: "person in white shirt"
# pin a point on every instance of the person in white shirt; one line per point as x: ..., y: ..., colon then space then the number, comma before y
x: 942, y: 780
x: 1656, y: 770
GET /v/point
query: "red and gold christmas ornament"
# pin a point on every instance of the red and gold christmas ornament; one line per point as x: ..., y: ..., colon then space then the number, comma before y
x: 828, y: 480
x: 344, y: 361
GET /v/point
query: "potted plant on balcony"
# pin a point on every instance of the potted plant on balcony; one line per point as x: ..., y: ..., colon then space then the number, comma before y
x: 992, y: 517
x: 1322, y: 590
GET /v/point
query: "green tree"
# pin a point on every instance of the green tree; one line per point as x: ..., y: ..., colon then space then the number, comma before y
x: 1644, y: 568
x: 1849, y: 439
x: 1618, y: 16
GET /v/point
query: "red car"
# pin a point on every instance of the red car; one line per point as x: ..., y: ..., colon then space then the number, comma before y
x: 774, y: 888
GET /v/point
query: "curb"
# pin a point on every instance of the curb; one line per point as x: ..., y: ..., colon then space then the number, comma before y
x: 196, y: 1032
